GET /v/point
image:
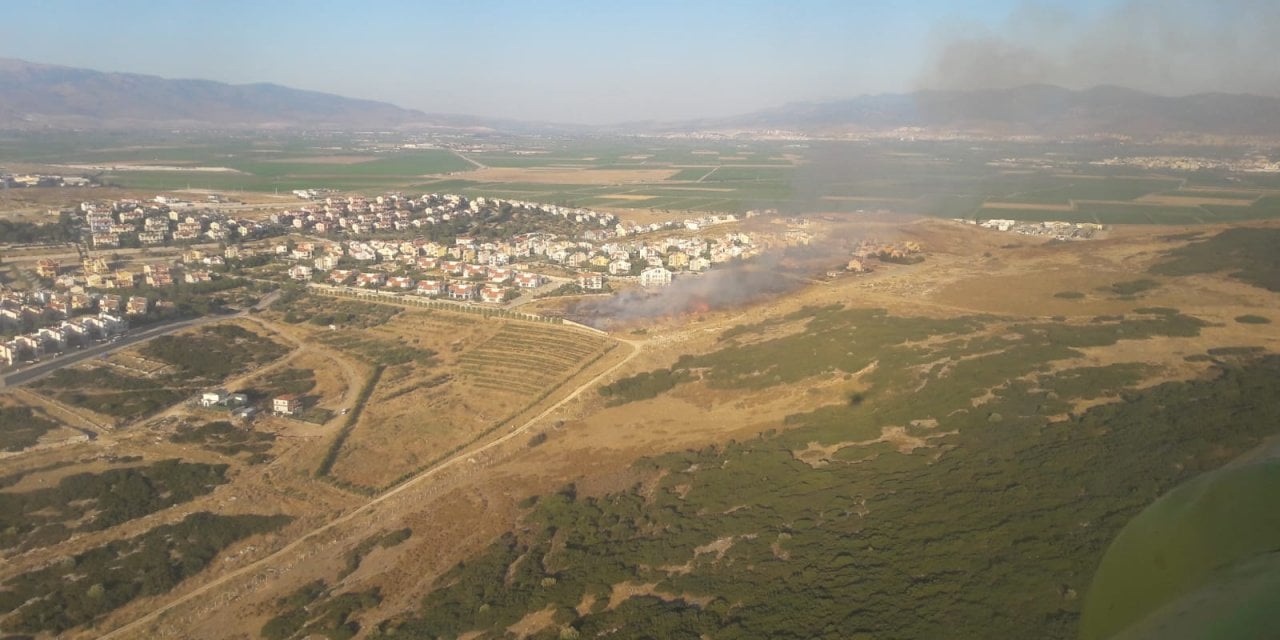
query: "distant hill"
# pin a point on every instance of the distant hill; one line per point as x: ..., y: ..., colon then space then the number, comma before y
x: 1028, y: 110
x: 40, y: 96
x: 36, y: 96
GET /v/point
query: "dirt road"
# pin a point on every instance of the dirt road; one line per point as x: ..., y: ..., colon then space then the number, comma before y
x: 460, y: 458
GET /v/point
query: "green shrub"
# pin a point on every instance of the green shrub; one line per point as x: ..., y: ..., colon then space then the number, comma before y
x: 1252, y: 319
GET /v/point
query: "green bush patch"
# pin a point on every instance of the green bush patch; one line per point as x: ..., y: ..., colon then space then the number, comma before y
x: 84, y: 587
x: 1252, y: 319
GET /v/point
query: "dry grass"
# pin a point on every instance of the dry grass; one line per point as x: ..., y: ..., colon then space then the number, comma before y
x: 483, y: 374
x: 462, y: 509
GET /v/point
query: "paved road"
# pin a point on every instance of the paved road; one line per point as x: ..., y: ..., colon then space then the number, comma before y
x: 51, y: 364
x: 46, y: 367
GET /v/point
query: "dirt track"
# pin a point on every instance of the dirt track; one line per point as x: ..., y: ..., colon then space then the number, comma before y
x: 367, y: 508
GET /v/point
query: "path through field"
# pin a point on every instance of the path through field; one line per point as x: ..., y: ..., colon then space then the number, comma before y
x: 457, y: 459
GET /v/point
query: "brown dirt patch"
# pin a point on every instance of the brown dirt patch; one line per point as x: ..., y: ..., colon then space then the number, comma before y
x: 532, y: 623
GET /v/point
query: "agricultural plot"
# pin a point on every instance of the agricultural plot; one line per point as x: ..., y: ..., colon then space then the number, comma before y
x: 481, y: 374
x: 952, y: 179
x: 525, y: 359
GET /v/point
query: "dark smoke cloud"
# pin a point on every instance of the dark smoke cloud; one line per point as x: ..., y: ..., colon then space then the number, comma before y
x: 1169, y: 47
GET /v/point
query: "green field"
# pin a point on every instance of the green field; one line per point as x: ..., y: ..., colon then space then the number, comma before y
x: 951, y: 179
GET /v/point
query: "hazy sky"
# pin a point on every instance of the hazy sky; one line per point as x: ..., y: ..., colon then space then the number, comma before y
x: 611, y: 60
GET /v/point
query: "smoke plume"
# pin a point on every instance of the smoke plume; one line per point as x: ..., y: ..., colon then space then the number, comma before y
x: 766, y: 276
x: 1168, y: 47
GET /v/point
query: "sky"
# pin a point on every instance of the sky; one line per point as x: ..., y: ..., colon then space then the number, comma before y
x: 611, y: 61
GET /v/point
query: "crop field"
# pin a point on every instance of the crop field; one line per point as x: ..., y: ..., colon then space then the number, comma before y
x: 447, y: 379
x: 526, y: 359
x: 950, y: 179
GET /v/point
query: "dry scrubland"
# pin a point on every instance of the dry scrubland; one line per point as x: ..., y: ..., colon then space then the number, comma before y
x: 987, y: 324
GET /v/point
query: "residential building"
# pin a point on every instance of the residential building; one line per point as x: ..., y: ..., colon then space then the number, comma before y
x: 213, y: 398
x: 431, y: 288
x: 620, y: 267
x: 400, y: 282
x: 374, y: 279
x: 529, y: 280
x: 288, y: 404
x: 300, y: 272
x: 591, y: 281
x: 462, y: 291
x: 137, y: 306
x: 493, y: 293
x: 655, y: 277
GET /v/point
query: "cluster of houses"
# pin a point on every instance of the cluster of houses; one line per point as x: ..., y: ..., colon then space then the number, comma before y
x: 55, y: 322
x: 19, y: 180
x: 468, y: 269
x: 97, y: 273
x: 238, y: 404
x: 160, y: 222
x: 467, y: 281
x: 1050, y: 229
x: 359, y: 215
x: 868, y: 250
x: 465, y: 268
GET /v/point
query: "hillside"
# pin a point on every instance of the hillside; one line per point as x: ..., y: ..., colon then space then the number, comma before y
x: 40, y: 96
x: 48, y: 96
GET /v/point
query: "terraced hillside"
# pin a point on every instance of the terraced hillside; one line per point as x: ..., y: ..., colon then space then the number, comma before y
x: 447, y: 378
x: 526, y: 358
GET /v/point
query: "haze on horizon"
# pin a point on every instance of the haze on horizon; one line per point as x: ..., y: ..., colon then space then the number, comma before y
x: 582, y: 62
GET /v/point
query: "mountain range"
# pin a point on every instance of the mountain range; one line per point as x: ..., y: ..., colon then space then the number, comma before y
x: 39, y: 96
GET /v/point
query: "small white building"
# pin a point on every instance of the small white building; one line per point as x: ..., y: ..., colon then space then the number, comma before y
x: 288, y: 404
x: 213, y: 398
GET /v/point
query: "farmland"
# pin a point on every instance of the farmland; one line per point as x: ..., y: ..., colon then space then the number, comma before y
x: 445, y: 380
x: 1023, y: 181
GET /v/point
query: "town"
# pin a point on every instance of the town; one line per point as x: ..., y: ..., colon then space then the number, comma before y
x: 138, y: 257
